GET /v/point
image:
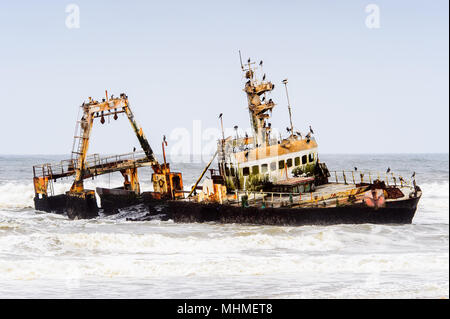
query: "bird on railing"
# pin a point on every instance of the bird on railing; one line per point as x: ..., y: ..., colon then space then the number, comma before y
x: 388, y: 170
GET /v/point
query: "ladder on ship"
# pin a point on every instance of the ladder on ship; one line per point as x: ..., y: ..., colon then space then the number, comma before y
x: 77, y: 146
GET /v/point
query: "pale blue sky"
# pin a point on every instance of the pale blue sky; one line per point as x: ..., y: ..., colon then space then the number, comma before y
x: 363, y: 90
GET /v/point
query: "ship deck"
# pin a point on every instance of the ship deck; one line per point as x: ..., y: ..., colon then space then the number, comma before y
x: 327, y: 195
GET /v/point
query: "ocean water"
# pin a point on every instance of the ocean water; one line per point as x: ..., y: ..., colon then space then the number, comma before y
x: 48, y: 256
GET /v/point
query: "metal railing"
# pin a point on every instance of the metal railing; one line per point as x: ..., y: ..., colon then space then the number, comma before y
x: 101, y: 162
x: 290, y: 198
x: 352, y: 178
x: 361, y: 177
x: 94, y: 161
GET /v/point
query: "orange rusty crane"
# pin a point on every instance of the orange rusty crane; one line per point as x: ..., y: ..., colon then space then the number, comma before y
x: 166, y: 184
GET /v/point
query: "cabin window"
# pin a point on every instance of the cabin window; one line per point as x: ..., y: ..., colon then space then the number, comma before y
x: 246, y: 171
x: 264, y: 168
x: 281, y: 164
x: 297, y: 161
x: 273, y: 166
x: 304, y: 159
x: 289, y: 162
x: 227, y: 170
x: 301, y: 189
x: 311, y: 157
x: 255, y: 170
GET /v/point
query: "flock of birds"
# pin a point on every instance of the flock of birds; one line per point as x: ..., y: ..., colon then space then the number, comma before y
x: 389, y: 171
x: 307, y: 136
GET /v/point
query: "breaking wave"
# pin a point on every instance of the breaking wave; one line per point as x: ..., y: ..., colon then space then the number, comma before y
x: 152, y: 255
x: 20, y: 195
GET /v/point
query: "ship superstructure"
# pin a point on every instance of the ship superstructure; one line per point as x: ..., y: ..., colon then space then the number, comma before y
x: 254, y: 162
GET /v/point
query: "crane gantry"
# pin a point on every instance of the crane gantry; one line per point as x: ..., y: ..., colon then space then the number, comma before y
x: 166, y: 184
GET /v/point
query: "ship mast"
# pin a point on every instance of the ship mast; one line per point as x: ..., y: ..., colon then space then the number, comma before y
x: 285, y: 81
x: 257, y: 106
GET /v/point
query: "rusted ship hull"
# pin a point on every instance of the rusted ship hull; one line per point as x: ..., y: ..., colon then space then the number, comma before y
x: 397, y: 212
x: 75, y: 207
x: 114, y: 199
x: 394, y: 212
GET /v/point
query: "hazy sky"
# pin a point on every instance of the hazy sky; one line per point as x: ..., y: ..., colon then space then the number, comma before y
x: 380, y: 90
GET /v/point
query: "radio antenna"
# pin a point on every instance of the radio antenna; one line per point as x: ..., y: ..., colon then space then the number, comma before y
x: 240, y: 58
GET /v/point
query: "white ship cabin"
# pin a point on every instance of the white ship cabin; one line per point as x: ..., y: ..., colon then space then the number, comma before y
x: 242, y: 165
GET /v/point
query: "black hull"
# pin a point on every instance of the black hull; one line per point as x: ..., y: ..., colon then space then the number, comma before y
x: 399, y: 212
x: 74, y: 207
x: 395, y: 212
x: 112, y: 200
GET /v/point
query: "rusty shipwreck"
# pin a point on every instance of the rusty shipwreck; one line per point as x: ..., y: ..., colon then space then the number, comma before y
x: 261, y: 178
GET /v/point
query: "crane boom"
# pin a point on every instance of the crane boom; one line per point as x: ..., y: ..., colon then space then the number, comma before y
x: 94, y: 109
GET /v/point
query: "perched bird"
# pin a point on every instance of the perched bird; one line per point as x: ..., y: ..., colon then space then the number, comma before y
x: 164, y: 140
x: 134, y: 149
x: 263, y: 99
x: 220, y: 115
x: 246, y: 135
x: 308, y: 136
x: 288, y: 129
x: 388, y: 170
x: 356, y: 168
x: 298, y: 133
x: 248, y: 60
x: 264, y: 76
x: 260, y: 62
x: 413, y: 175
x: 311, y: 130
